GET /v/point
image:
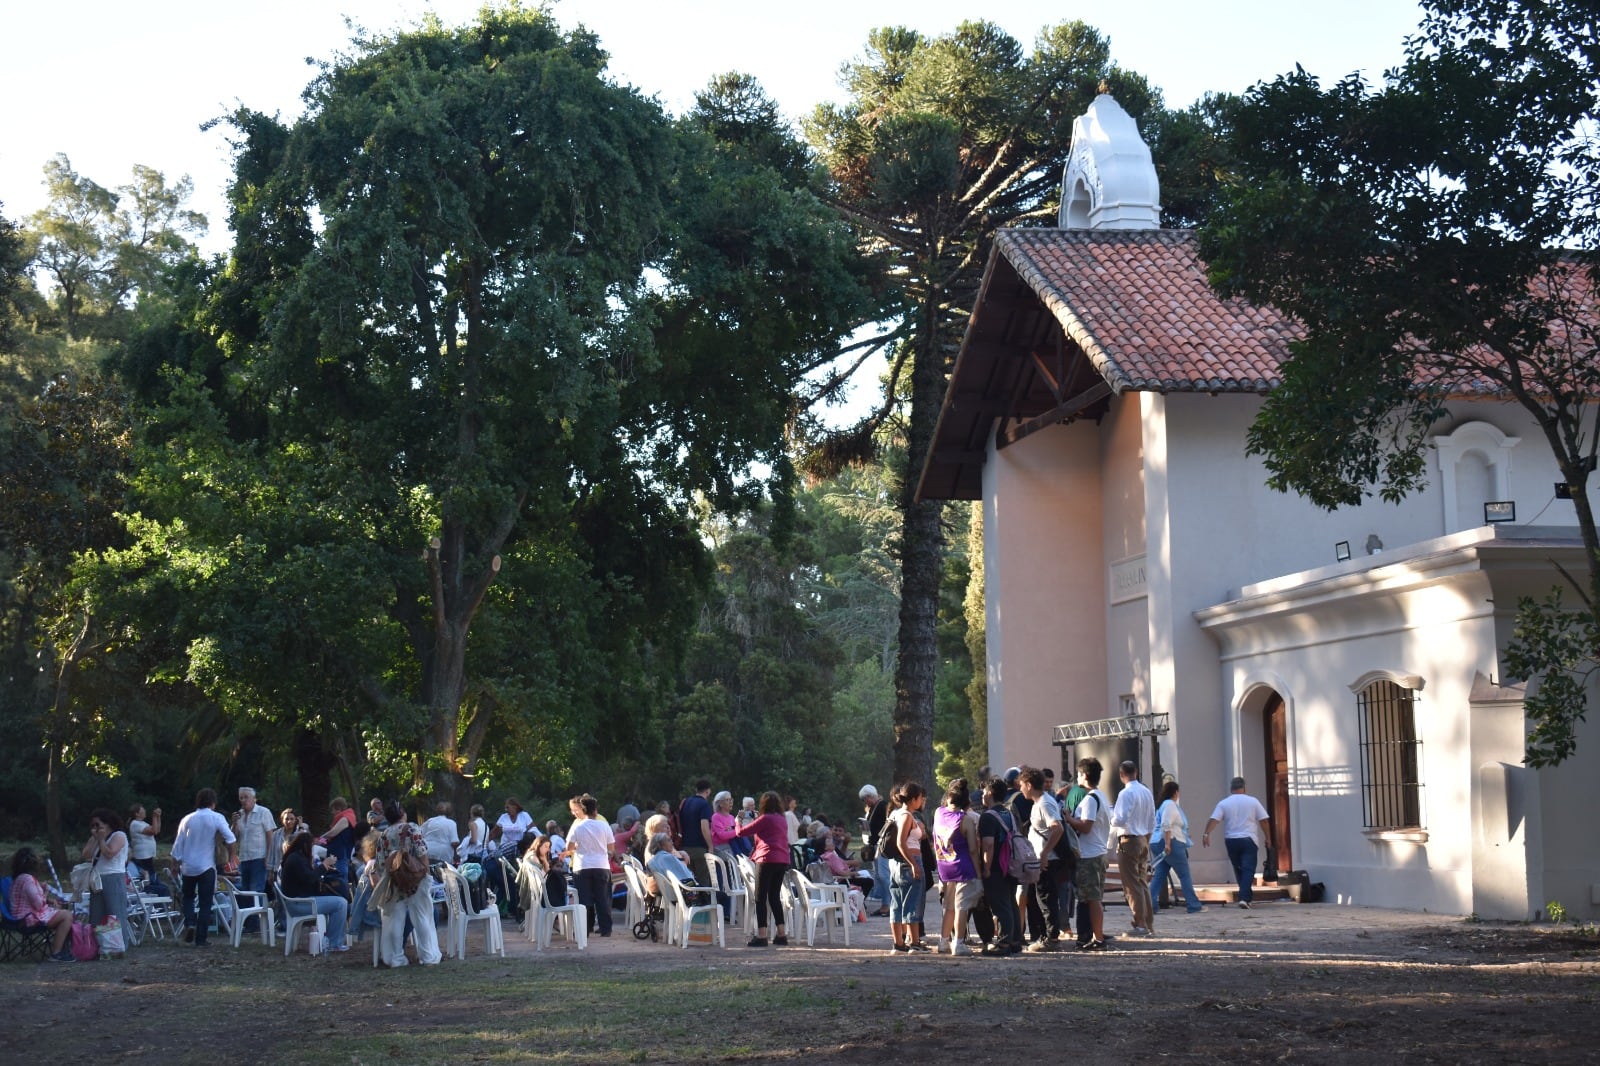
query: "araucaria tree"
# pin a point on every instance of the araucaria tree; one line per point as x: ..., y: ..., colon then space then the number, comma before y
x: 528, y: 318
x: 1436, y: 237
x: 943, y: 141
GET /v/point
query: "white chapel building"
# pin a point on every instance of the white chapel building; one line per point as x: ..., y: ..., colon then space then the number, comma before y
x: 1149, y: 598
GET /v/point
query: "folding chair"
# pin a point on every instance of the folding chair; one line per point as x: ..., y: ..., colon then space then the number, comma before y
x: 18, y: 942
x: 155, y: 909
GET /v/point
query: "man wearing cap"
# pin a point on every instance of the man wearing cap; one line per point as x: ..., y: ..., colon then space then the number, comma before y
x: 873, y: 817
x: 1241, y: 815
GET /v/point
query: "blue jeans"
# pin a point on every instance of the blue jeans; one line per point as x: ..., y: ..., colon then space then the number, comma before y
x: 905, y: 894
x: 1176, y: 857
x: 197, y: 892
x: 1242, y: 854
x: 335, y: 909
x: 880, y: 880
x: 252, y: 878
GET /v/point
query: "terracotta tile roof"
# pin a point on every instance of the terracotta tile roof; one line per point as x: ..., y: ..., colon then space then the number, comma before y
x: 1138, y: 305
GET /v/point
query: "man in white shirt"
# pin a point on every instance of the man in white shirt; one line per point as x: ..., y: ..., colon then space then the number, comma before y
x: 1135, y: 816
x: 440, y: 833
x: 1044, y: 833
x: 1092, y: 822
x: 254, y: 826
x: 1242, y: 816
x: 194, y: 849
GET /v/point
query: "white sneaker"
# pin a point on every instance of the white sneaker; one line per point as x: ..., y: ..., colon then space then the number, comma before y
x: 958, y: 948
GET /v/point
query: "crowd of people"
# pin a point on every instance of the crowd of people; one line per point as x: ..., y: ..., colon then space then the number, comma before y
x: 377, y: 873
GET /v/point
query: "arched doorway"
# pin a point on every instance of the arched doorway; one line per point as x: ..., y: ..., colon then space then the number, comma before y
x: 1275, y: 746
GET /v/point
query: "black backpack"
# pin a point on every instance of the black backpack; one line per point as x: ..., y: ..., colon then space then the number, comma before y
x: 875, y: 824
x: 888, y: 842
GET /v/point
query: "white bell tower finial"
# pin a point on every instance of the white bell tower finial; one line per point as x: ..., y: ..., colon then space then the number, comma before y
x: 1110, y: 181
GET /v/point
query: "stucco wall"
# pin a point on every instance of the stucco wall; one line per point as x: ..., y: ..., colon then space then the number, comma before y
x: 1045, y: 588
x: 1442, y: 633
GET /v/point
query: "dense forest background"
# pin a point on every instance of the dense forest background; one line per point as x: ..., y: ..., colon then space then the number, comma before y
x: 494, y: 458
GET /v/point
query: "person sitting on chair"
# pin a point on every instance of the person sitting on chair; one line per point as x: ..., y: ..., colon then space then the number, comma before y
x: 659, y: 857
x: 31, y: 904
x: 298, y: 877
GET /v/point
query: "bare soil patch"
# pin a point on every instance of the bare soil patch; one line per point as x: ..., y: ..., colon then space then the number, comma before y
x: 1281, y: 982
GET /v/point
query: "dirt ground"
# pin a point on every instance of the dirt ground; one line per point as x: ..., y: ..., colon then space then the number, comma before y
x: 1281, y: 982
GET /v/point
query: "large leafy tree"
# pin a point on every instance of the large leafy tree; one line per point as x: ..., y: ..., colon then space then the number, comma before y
x: 64, y: 461
x: 535, y: 319
x: 942, y: 141
x: 1436, y: 236
x: 99, y: 247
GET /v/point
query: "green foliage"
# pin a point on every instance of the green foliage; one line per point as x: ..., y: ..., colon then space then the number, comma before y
x: 942, y: 141
x: 1557, y: 645
x: 431, y: 443
x: 1435, y: 236
x: 101, y: 247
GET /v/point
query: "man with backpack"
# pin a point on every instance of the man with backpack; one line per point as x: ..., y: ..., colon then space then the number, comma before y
x: 999, y: 885
x: 877, y: 812
x: 1092, y: 822
x: 1046, y: 834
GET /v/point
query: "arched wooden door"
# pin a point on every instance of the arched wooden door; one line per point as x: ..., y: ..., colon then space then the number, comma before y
x: 1275, y: 719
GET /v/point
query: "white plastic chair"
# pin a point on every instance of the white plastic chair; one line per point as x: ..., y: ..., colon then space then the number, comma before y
x: 682, y: 915
x: 292, y: 921
x: 545, y: 915
x: 461, y: 919
x: 244, y: 904
x: 725, y: 875
x: 633, y: 876
x: 814, y: 903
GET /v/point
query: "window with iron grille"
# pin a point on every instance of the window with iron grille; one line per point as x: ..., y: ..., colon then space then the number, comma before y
x: 1391, y: 757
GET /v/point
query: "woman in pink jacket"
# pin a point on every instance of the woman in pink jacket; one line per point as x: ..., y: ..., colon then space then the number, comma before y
x: 771, y: 833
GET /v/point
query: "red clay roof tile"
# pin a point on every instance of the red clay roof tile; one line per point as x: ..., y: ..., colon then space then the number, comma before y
x: 1138, y: 304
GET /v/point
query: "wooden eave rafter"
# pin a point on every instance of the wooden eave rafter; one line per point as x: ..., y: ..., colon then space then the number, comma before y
x: 1016, y: 365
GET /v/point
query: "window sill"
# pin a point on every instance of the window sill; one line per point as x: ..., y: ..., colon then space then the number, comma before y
x: 1402, y: 836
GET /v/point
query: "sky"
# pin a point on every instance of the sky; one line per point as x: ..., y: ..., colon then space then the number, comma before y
x: 112, y: 85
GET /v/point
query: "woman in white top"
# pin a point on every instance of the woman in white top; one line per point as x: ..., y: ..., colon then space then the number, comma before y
x: 1169, y: 848
x: 905, y: 867
x: 513, y: 825
x: 792, y: 818
x: 590, y: 843
x: 108, y: 850
x: 142, y: 839
x: 471, y: 846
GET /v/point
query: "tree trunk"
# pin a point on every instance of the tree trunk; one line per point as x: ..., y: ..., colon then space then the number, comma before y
x: 52, y: 803
x: 921, y: 564
x: 56, y: 768
x: 315, y: 765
